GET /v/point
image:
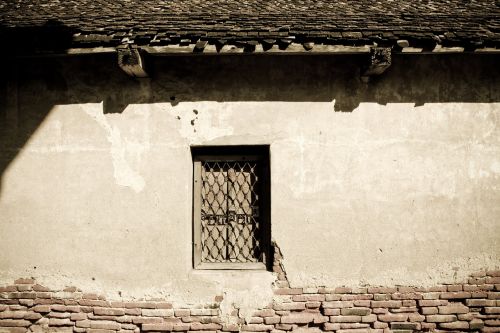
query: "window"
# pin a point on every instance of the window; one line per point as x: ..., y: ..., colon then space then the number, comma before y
x: 231, y: 225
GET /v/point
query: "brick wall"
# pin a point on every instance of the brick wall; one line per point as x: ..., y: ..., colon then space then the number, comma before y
x: 473, y: 306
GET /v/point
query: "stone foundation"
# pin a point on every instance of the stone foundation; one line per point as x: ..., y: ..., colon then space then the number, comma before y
x: 473, y: 306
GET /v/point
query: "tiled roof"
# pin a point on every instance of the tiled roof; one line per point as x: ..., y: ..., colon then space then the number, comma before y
x: 468, y: 23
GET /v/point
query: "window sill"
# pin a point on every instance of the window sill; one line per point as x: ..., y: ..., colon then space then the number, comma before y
x: 257, y: 266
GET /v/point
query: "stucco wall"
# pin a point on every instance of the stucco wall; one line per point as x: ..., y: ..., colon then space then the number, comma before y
x: 387, y: 183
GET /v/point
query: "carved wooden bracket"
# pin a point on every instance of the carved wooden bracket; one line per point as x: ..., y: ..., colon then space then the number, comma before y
x: 380, y: 60
x: 131, y: 61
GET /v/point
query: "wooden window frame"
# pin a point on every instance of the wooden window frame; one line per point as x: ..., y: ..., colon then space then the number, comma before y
x: 233, y: 153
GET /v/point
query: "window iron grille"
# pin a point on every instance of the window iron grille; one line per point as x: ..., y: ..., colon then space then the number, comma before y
x: 231, y: 226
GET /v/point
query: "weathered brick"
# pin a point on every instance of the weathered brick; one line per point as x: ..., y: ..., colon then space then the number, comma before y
x: 164, y: 305
x: 158, y: 327
x: 285, y: 327
x: 313, y: 305
x: 38, y: 287
x: 479, y: 302
x: 354, y: 297
x: 99, y: 330
x: 14, y: 323
x: 260, y: 313
x: 432, y: 302
x: 345, y: 319
x: 381, y: 297
x: 147, y: 320
x: 441, y: 318
x: 410, y: 295
x: 455, y: 295
x: 362, y: 303
x: 8, y: 289
x: 382, y: 290
x: 430, y: 310
x: 380, y: 325
x: 404, y: 326
x: 60, y: 322
x: 137, y: 312
x: 337, y: 304
x: 182, y: 327
x: 332, y: 297
x: 331, y: 326
x: 386, y: 304
x: 415, y: 317
x: 331, y: 312
x: 105, y: 325
x: 355, y: 311
x: 182, y: 312
x: 78, y: 316
x: 343, y: 290
x: 289, y: 306
x: 58, y: 315
x: 141, y: 305
x: 493, y: 295
x: 24, y: 281
x: 369, y: 318
x: 476, y: 324
x: 431, y: 295
x: 109, y: 312
x: 299, y: 318
x: 393, y: 317
x: 12, y: 314
x: 454, y: 287
x: 83, y: 323
x: 205, y: 327
x: 159, y: 312
x: 453, y: 308
x: 492, y: 310
x: 428, y: 326
x: 457, y: 325
x: 272, y: 320
x: 353, y: 325
x: 257, y: 328
x: 288, y: 291
x: 32, y: 316
x: 27, y: 302
x: 255, y: 320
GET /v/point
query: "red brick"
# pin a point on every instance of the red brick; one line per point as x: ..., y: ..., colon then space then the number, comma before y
x: 158, y: 327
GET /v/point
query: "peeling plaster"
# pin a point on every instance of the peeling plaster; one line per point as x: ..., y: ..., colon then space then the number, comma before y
x: 124, y: 174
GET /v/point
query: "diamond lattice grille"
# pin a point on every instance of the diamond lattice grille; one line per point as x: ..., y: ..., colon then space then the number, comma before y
x: 230, y: 225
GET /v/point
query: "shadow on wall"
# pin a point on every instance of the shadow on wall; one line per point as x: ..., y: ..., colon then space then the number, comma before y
x: 34, y: 85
